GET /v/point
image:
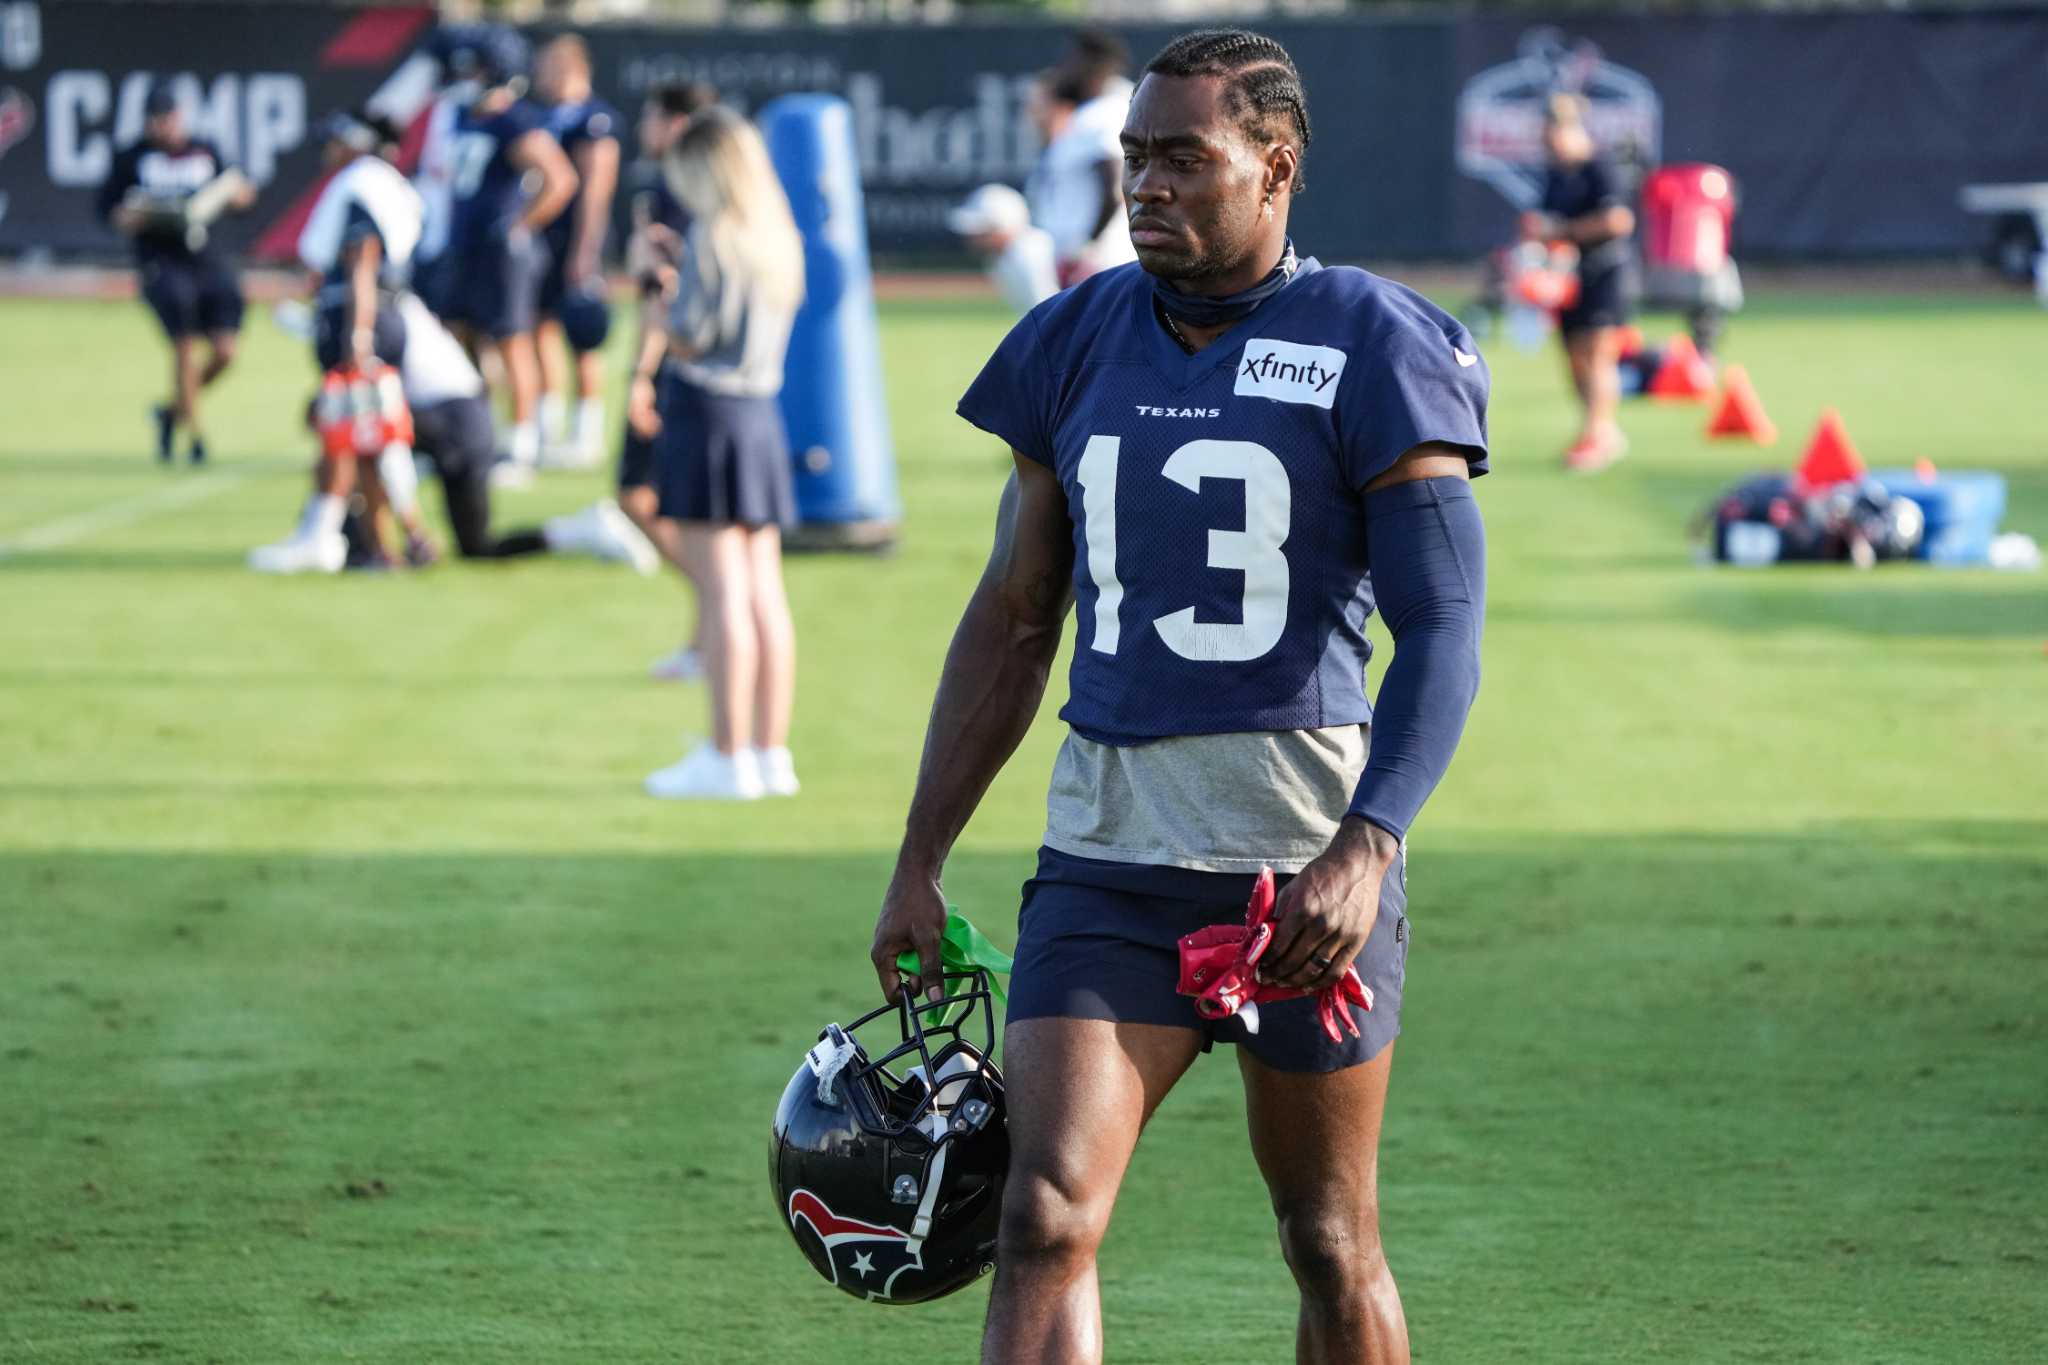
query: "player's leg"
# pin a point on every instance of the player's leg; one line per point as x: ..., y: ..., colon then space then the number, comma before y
x: 185, y: 371
x: 1316, y: 1137
x: 166, y: 288
x: 586, y: 427
x: 1079, y: 1092
x: 221, y: 349
x: 515, y: 272
x: 552, y: 352
x: 1314, y: 1108
x: 775, y: 675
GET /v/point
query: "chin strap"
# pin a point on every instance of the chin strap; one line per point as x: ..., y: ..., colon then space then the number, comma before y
x: 934, y: 1177
x: 1219, y: 967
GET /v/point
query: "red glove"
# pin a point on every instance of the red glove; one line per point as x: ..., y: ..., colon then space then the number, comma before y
x: 1219, y: 967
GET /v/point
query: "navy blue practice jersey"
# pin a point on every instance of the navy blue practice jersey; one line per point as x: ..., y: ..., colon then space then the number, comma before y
x: 1220, y: 566
x: 574, y: 124
x: 487, y: 194
x: 165, y: 174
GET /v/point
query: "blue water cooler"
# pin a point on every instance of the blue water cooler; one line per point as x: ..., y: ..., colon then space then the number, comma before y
x: 832, y: 399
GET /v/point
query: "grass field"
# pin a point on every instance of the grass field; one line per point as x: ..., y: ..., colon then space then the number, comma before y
x: 358, y: 1007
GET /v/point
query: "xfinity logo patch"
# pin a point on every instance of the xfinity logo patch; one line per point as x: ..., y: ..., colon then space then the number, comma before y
x: 1288, y: 372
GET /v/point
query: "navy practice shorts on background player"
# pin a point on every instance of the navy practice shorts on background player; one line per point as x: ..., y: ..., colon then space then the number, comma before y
x: 1607, y: 297
x: 636, y: 460
x: 1100, y: 940
x: 334, y: 328
x: 722, y: 459
x: 193, y: 297
x: 495, y: 285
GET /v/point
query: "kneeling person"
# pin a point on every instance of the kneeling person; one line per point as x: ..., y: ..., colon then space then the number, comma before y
x: 371, y: 336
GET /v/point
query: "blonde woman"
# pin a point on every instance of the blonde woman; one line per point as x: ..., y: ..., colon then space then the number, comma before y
x: 722, y: 465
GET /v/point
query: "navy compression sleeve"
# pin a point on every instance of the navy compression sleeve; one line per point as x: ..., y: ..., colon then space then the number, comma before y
x: 1427, y: 550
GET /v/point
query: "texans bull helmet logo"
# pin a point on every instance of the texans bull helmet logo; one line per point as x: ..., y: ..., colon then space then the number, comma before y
x: 865, y: 1258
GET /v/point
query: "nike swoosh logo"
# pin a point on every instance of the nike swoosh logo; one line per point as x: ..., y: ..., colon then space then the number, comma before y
x: 1465, y: 359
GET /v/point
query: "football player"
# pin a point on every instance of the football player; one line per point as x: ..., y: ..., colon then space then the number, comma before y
x: 162, y: 192
x: 360, y: 237
x: 1074, y: 192
x: 495, y: 255
x: 1226, y: 458
x: 575, y: 314
x: 454, y: 50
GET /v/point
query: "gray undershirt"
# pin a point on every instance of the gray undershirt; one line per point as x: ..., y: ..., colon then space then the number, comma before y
x: 1214, y: 803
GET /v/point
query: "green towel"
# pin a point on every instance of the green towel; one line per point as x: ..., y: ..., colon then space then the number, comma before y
x: 962, y: 947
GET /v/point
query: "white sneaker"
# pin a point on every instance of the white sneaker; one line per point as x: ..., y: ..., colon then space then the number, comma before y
x: 708, y: 775
x: 601, y: 529
x: 685, y: 665
x: 619, y: 539
x: 778, y: 771
x: 302, y: 552
x: 567, y: 454
x: 509, y: 475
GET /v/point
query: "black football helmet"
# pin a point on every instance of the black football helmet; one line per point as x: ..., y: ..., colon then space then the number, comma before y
x: 888, y: 1163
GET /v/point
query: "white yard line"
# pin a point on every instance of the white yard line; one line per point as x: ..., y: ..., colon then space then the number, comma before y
x: 128, y: 511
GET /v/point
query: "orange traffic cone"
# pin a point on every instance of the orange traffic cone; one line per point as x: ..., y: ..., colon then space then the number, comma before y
x: 1684, y: 376
x: 1741, y: 412
x: 1830, y: 457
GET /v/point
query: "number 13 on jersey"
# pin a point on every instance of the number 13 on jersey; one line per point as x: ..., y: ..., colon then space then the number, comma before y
x: 1255, y: 550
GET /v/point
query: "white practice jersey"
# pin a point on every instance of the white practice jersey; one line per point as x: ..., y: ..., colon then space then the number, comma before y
x: 1025, y: 272
x: 1066, y: 189
x: 435, y: 368
x: 434, y: 178
x: 375, y: 187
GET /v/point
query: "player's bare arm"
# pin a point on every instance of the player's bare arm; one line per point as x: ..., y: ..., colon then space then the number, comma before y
x: 596, y: 164
x: 989, y: 690
x: 641, y: 414
x: 363, y: 258
x: 538, y: 151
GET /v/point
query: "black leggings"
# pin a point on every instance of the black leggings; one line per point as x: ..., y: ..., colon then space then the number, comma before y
x: 468, y: 490
x: 457, y: 435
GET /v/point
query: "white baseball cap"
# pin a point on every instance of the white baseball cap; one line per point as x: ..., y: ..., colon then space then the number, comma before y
x: 992, y: 208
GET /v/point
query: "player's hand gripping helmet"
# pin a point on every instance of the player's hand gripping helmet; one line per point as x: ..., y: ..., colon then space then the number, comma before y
x: 888, y: 1169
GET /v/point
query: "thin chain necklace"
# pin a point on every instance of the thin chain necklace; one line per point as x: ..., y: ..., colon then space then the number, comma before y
x: 1178, y: 335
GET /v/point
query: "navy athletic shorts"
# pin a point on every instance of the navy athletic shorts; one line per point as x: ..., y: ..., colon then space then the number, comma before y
x: 722, y: 459
x: 1607, y: 298
x: 334, y: 326
x: 636, y: 460
x: 494, y: 285
x: 193, y: 297
x: 1099, y: 940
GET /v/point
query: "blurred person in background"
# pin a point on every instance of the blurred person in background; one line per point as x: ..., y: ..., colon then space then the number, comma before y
x: 454, y: 49
x: 1076, y: 189
x: 996, y: 222
x: 722, y: 453
x: 359, y: 239
x: 496, y: 256
x: 575, y: 313
x: 161, y: 193
x: 1585, y: 205
x: 658, y: 222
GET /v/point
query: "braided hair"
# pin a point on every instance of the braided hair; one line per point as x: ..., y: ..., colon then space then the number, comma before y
x: 1261, y: 86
